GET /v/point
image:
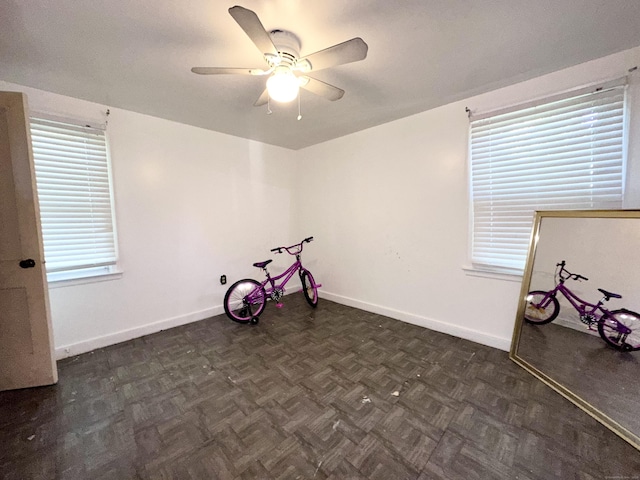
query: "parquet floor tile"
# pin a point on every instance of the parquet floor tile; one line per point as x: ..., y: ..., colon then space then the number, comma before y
x: 328, y: 394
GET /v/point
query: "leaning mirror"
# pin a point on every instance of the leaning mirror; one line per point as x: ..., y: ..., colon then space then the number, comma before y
x: 577, y: 328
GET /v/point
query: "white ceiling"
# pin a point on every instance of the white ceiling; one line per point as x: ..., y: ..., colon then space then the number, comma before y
x: 137, y: 55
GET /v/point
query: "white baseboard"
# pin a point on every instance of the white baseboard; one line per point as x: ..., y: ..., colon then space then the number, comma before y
x: 84, y: 346
x: 575, y: 325
x: 437, y: 325
x: 88, y: 345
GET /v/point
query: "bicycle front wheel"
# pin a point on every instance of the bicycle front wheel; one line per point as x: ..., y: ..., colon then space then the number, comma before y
x: 540, y: 310
x: 614, y: 329
x: 309, y: 288
x: 244, y: 300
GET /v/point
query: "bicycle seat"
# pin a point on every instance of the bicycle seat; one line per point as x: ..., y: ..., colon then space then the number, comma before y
x: 262, y: 264
x: 608, y: 295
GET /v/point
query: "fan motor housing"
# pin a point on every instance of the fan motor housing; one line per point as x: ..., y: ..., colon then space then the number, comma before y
x: 288, y: 46
x: 286, y: 42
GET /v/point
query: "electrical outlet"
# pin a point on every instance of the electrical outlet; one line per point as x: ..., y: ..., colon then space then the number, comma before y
x: 223, y: 279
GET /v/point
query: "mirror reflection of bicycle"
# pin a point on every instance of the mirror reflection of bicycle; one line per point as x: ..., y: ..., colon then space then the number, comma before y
x: 245, y: 300
x: 618, y: 328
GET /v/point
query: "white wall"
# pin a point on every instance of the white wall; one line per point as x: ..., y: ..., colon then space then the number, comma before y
x: 191, y: 205
x: 390, y: 208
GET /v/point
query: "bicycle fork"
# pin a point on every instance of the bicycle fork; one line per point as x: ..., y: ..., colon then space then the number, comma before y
x: 546, y: 300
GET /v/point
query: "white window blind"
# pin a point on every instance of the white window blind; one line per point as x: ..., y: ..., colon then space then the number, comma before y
x: 563, y: 155
x: 74, y: 192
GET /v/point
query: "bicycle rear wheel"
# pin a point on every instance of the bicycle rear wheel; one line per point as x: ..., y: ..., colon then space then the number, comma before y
x: 541, y: 311
x: 613, y: 332
x: 309, y: 288
x: 244, y: 300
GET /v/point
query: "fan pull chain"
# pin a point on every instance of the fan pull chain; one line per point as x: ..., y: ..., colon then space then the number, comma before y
x: 269, y: 112
x: 299, y: 114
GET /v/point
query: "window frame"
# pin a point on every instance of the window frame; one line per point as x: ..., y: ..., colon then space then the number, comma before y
x: 514, y: 274
x: 89, y: 274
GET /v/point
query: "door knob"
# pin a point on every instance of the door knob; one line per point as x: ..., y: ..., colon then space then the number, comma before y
x: 28, y: 263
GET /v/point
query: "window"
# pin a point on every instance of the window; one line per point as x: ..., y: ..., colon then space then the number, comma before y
x: 562, y: 154
x: 74, y: 192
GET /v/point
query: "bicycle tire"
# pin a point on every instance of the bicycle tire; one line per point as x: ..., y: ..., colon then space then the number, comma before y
x: 607, y: 328
x: 538, y: 315
x: 309, y: 288
x: 241, y: 308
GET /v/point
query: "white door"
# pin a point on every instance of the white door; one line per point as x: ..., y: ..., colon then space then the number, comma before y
x: 26, y: 340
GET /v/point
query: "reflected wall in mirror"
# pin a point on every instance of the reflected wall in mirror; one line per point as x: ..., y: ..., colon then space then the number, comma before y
x: 577, y: 328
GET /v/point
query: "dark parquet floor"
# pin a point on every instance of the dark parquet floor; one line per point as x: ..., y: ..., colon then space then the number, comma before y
x: 604, y: 377
x: 307, y: 394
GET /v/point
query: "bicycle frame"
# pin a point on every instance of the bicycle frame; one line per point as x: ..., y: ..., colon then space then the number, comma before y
x: 287, y: 274
x: 579, y: 304
x: 269, y: 284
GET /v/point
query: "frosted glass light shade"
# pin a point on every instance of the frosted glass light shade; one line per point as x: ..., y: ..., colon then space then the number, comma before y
x: 283, y: 86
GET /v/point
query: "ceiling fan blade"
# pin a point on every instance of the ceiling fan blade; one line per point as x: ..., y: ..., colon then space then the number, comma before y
x: 227, y: 71
x: 252, y: 26
x: 264, y: 98
x: 321, y: 89
x: 346, y: 52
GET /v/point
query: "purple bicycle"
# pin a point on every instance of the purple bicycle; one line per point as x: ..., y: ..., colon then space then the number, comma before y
x: 618, y: 328
x: 245, y: 300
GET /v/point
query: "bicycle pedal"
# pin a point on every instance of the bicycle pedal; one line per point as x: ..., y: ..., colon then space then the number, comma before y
x: 279, y: 305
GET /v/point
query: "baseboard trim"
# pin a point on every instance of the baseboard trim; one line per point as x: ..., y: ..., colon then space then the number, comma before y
x: 437, y: 325
x: 90, y: 344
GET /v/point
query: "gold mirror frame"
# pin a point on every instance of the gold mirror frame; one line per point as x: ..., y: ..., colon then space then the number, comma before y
x: 589, y: 402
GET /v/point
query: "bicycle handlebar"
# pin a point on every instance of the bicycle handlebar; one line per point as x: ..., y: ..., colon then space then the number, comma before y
x: 575, y: 276
x: 298, y: 245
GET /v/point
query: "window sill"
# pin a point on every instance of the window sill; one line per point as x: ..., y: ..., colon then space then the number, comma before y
x: 92, y: 275
x: 506, y: 275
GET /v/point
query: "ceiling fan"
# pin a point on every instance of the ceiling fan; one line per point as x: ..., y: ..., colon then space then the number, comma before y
x: 287, y: 72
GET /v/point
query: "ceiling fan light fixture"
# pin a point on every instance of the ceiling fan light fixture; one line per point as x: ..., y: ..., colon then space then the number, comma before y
x: 281, y: 51
x: 283, y: 86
